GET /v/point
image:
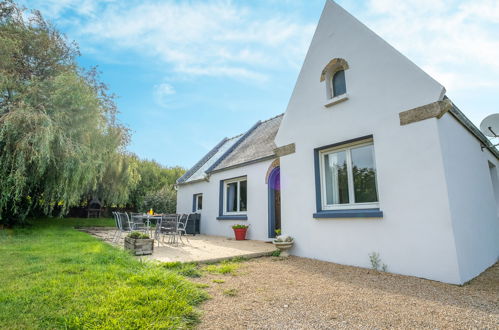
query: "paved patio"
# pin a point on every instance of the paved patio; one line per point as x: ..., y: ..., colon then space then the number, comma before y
x: 199, y: 248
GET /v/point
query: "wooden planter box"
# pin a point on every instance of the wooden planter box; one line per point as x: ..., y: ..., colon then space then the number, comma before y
x: 140, y: 247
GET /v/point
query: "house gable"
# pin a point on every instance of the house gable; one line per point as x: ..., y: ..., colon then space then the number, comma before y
x: 380, y: 81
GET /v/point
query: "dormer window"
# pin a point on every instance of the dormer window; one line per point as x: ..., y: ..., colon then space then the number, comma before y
x: 334, y: 76
x: 339, y: 84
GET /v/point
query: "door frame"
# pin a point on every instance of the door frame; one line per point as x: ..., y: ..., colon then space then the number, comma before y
x: 276, y: 172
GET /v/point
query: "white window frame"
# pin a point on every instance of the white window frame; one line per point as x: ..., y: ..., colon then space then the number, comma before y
x: 351, y: 192
x: 196, y: 203
x: 226, y: 183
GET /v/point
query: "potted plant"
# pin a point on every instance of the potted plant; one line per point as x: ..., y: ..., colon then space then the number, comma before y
x: 283, y: 243
x: 139, y: 244
x: 240, y: 232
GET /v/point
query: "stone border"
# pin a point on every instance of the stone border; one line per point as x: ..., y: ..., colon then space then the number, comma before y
x: 431, y: 110
x: 285, y: 150
x: 335, y: 65
x: 274, y: 164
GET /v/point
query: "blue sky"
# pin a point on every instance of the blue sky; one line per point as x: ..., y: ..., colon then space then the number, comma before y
x: 189, y: 73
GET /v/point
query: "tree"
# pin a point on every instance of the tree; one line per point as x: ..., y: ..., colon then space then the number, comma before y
x: 153, y: 178
x: 161, y: 201
x: 59, y: 137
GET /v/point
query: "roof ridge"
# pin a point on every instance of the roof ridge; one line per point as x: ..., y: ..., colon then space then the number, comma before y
x: 266, y: 120
x: 233, y: 147
x: 201, y: 162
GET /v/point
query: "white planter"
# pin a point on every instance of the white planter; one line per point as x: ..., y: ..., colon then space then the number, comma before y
x: 283, y: 247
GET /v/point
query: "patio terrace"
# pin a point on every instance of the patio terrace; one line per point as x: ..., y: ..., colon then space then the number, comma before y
x: 199, y: 248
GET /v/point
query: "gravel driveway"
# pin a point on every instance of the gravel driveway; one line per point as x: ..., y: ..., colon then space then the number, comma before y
x: 298, y: 293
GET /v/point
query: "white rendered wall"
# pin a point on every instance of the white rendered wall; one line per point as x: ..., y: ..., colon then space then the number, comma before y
x: 472, y: 200
x: 257, y: 202
x: 415, y: 236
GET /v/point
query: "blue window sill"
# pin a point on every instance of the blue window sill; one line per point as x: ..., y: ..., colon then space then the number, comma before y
x: 232, y: 217
x: 360, y: 213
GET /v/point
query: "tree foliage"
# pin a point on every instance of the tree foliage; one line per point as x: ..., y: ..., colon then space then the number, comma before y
x: 161, y: 201
x: 59, y: 137
x: 155, y: 180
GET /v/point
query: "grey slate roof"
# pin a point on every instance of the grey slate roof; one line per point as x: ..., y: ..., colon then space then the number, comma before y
x: 255, y: 145
x: 197, y: 172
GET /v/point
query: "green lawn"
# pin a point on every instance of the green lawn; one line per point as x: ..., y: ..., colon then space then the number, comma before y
x: 52, y: 276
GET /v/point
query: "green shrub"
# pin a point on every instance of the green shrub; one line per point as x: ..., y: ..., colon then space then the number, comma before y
x: 276, y: 253
x: 138, y: 235
x: 161, y: 201
x: 240, y: 226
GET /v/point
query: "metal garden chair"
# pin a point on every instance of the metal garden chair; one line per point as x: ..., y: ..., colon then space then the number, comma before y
x: 182, y: 226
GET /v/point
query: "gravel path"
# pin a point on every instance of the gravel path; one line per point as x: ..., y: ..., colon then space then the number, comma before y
x: 298, y: 293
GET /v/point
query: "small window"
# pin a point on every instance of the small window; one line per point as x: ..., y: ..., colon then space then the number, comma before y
x: 495, y: 184
x: 197, y: 202
x: 339, y: 84
x: 348, y: 177
x: 235, y: 196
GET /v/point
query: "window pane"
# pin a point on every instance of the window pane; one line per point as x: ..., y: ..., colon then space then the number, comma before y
x: 200, y: 202
x: 242, y: 194
x: 232, y: 197
x: 339, y: 85
x: 335, y: 169
x: 364, y: 174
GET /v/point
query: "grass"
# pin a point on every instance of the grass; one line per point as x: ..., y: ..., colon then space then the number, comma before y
x: 218, y: 281
x: 225, y: 267
x: 230, y: 292
x: 55, y: 277
x: 184, y: 269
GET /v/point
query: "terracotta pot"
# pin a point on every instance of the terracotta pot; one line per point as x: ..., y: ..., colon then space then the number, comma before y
x: 240, y: 233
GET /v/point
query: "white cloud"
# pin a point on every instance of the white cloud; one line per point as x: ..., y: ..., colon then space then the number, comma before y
x: 455, y: 41
x: 162, y: 92
x: 215, y: 38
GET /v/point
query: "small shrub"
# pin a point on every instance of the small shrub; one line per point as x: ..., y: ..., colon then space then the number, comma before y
x: 276, y: 253
x: 138, y: 235
x: 230, y: 292
x: 277, y: 232
x: 240, y: 226
x: 376, y: 262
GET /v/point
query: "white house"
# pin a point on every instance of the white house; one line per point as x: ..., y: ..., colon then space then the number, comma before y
x: 370, y: 156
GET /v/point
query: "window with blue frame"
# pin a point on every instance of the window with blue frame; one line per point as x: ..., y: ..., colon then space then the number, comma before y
x: 235, y: 196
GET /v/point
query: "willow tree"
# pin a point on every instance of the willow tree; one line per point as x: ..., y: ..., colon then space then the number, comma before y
x: 59, y: 137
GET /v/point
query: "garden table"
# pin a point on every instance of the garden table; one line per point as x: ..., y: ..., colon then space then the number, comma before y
x: 147, y: 218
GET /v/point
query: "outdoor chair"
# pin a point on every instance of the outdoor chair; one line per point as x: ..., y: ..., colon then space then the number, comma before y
x: 167, y: 226
x: 138, y: 223
x: 182, y: 226
x: 122, y: 223
x: 117, y: 224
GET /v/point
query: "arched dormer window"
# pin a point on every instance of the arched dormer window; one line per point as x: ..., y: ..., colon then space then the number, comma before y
x: 339, y: 84
x: 334, y: 76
